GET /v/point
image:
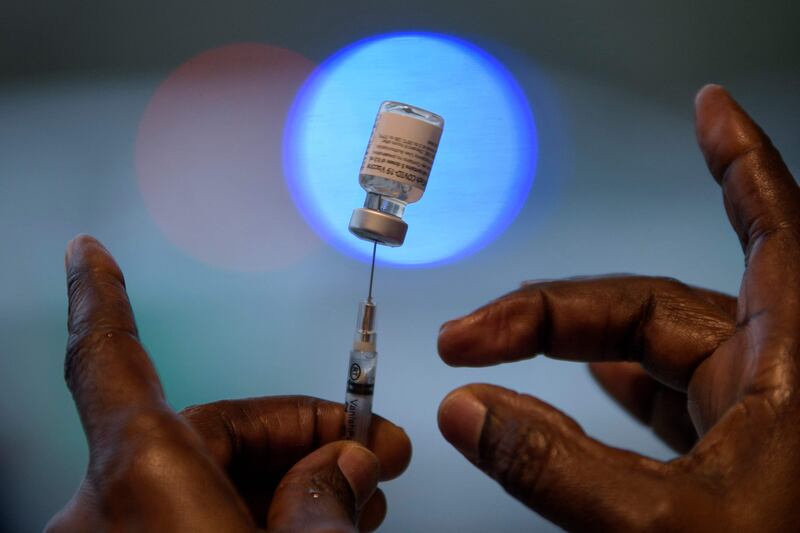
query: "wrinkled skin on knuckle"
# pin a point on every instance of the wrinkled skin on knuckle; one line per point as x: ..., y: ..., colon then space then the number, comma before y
x: 515, y: 453
x: 676, y: 317
x: 656, y: 518
x: 512, y: 323
x: 213, y: 418
x: 665, y: 506
x: 86, y: 286
x: 150, y: 445
x: 219, y: 424
x: 88, y: 345
x: 80, y: 347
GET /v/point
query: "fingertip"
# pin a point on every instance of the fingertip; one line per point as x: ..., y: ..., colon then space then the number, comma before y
x: 83, y: 249
x: 461, y: 418
x: 458, y: 338
x: 710, y: 90
x: 81, y: 242
x: 73, y: 246
x: 708, y: 104
x: 68, y: 251
x: 724, y: 129
x: 501, y: 331
x: 325, y: 490
x: 373, y: 512
x: 392, y: 446
x: 444, y: 342
x: 360, y: 467
x: 445, y: 325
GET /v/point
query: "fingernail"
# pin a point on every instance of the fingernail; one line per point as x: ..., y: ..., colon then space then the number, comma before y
x: 73, y: 243
x: 360, y: 468
x: 457, y: 326
x: 709, y: 87
x: 447, y: 325
x: 461, y: 418
x: 68, y: 252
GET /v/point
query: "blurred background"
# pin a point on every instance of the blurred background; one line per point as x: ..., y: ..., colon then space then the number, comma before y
x: 165, y: 130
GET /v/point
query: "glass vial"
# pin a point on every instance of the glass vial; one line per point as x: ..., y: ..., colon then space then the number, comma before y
x: 395, y: 170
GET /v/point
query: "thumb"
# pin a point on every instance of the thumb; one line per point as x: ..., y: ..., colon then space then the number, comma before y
x: 326, y: 490
x: 544, y: 459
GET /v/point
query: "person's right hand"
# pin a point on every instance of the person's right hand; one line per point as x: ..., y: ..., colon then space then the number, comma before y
x: 274, y: 463
x: 716, y: 377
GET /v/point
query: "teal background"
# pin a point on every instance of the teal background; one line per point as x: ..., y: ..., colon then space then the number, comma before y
x: 620, y: 187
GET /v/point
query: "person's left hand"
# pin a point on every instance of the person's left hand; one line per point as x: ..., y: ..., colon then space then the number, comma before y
x: 236, y: 465
x: 715, y: 376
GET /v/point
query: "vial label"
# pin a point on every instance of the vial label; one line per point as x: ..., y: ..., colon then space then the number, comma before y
x: 401, y: 148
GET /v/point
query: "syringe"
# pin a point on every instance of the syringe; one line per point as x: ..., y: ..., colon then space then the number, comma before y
x: 391, y: 184
x: 361, y: 370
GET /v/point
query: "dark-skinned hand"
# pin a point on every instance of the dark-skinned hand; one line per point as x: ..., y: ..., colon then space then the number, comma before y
x: 273, y: 463
x: 716, y: 377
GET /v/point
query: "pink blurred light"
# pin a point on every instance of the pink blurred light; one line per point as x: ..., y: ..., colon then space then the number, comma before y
x: 208, y: 158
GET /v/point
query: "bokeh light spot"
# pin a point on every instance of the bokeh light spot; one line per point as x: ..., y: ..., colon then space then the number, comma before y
x: 208, y: 158
x: 487, y: 156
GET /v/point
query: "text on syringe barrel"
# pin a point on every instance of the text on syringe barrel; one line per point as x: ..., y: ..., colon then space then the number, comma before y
x: 358, y: 399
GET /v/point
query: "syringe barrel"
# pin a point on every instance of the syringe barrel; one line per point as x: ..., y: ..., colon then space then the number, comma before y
x: 361, y: 375
x: 358, y: 399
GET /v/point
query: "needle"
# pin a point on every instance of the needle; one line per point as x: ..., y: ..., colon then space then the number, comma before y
x: 372, y: 270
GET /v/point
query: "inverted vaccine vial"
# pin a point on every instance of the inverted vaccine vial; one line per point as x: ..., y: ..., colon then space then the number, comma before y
x: 395, y: 170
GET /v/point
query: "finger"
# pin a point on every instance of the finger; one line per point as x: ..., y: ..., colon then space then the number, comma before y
x: 373, y: 513
x: 652, y: 403
x: 543, y: 458
x: 659, y: 322
x: 326, y: 490
x: 264, y: 437
x: 762, y: 201
x: 106, y: 368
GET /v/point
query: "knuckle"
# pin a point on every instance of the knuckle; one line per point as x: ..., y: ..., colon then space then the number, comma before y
x: 195, y: 411
x: 219, y: 419
x: 199, y: 412
x: 83, y: 344
x: 147, y: 447
x: 519, y: 458
x: 659, y: 515
x: 77, y: 348
x: 523, y: 321
x: 80, y: 347
x: 156, y: 423
x: 148, y: 466
x: 303, y: 405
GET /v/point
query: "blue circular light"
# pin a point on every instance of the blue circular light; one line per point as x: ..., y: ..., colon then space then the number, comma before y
x: 487, y: 155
